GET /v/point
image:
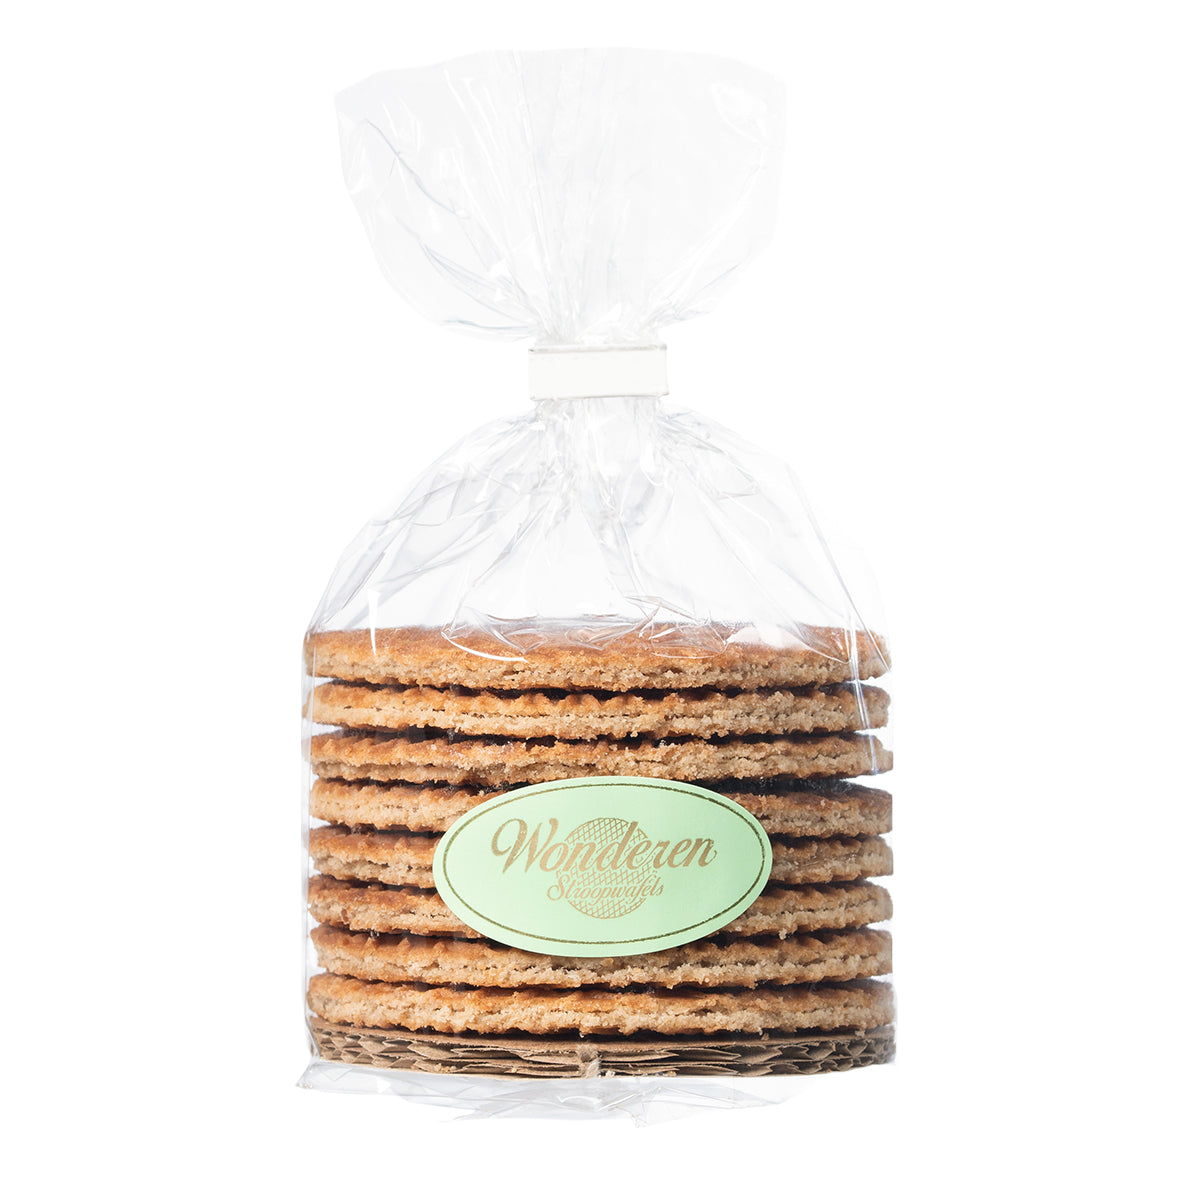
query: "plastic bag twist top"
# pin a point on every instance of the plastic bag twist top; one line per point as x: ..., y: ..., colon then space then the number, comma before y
x: 582, y: 198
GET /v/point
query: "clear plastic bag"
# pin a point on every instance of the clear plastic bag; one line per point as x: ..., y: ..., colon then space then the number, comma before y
x: 603, y: 602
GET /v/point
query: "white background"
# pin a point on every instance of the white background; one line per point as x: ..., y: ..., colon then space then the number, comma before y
x: 975, y: 337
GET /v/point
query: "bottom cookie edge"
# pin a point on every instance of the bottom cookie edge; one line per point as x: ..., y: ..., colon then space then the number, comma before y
x: 593, y: 1057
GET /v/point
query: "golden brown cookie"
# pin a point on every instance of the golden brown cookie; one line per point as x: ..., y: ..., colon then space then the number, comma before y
x: 547, y: 658
x: 862, y: 1005
x: 780, y: 910
x: 421, y: 758
x: 403, y: 859
x: 406, y: 859
x: 786, y: 807
x: 816, y: 808
x: 576, y: 715
x: 783, y: 910
x: 854, y: 954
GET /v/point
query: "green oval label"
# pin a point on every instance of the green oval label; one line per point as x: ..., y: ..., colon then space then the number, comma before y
x: 603, y: 866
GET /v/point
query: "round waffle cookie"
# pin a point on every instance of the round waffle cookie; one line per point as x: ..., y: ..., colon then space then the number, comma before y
x: 406, y: 859
x: 788, y: 807
x: 420, y: 758
x: 861, y: 1005
x: 780, y: 910
x: 574, y: 715
x: 707, y: 657
x: 807, y: 958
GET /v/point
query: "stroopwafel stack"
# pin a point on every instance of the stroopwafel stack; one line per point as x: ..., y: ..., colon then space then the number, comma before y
x: 423, y: 731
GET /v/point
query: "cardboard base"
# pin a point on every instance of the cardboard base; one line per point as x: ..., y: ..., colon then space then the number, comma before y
x: 581, y: 1058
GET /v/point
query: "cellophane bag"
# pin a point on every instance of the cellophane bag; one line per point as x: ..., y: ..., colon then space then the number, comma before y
x: 586, y: 713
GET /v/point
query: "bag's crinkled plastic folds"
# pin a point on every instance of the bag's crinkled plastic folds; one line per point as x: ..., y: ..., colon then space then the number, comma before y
x: 589, y: 714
